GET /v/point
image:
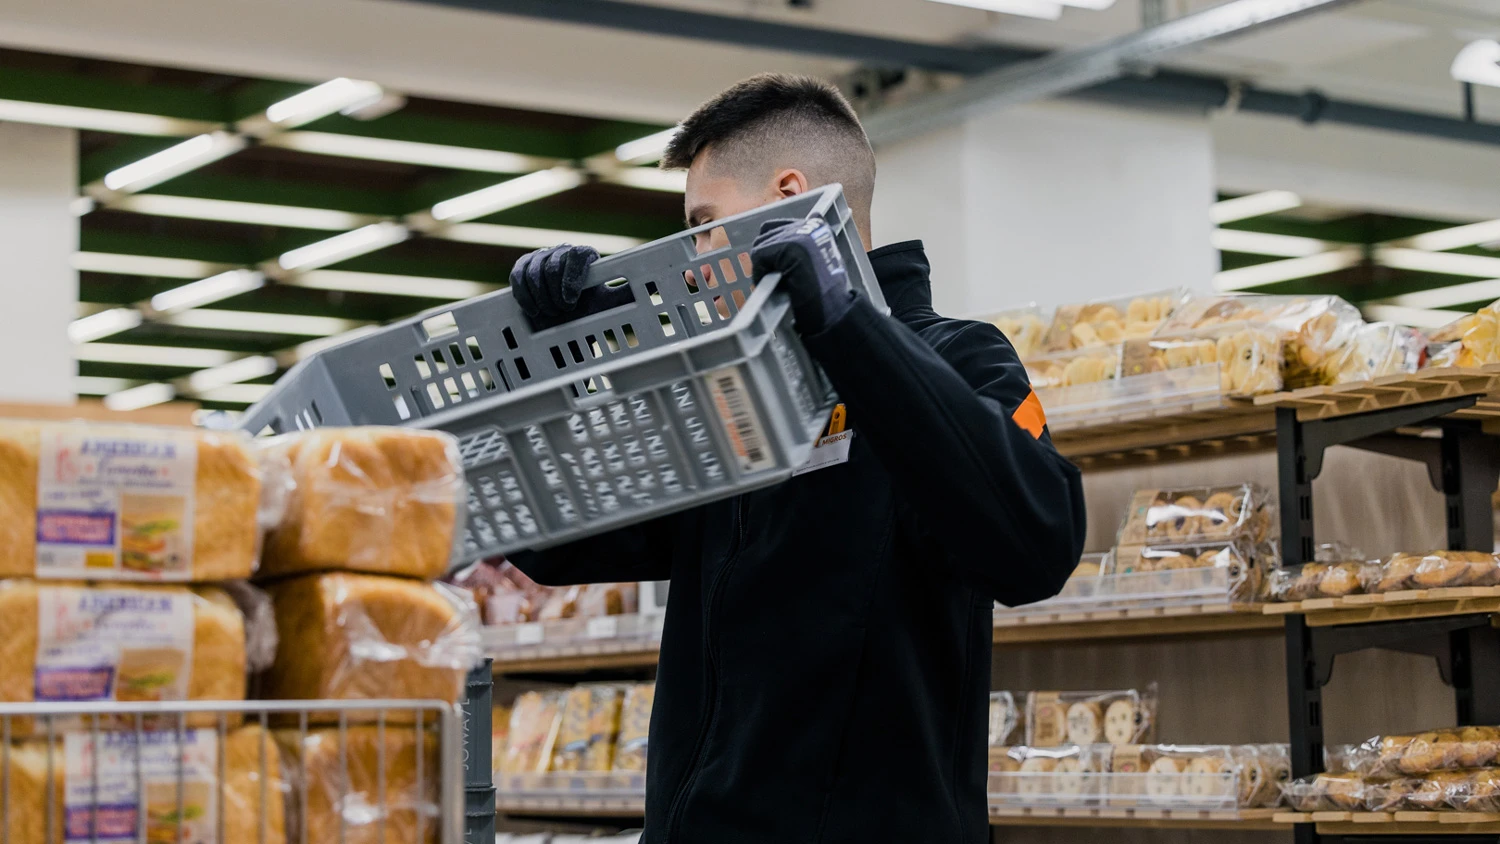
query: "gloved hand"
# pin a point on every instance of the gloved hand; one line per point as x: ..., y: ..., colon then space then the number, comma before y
x: 548, y: 282
x: 812, y: 271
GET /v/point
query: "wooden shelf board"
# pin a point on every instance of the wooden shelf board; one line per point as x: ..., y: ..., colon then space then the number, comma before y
x: 1394, y: 606
x: 1147, y: 818
x: 1396, y: 823
x: 1392, y: 391
x: 1141, y: 622
x: 1218, y: 428
x: 583, y: 658
x: 571, y: 807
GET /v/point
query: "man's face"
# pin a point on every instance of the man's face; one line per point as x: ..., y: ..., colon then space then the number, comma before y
x: 713, y: 194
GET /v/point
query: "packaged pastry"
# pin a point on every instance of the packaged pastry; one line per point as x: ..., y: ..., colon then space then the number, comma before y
x: 1379, y: 349
x: 1423, y: 753
x: 1249, y: 358
x: 532, y: 733
x: 1314, y: 330
x: 1262, y: 770
x: 1072, y: 368
x: 1434, y: 570
x: 587, y: 729
x: 1472, y: 340
x: 1108, y: 321
x: 351, y: 636
x: 85, y: 501
x: 1051, y: 775
x: 1204, y: 776
x: 126, y: 642
x: 1322, y: 580
x: 1479, y: 793
x: 379, y: 787
x: 1005, y: 719
x: 1194, y: 566
x: 1084, y: 718
x: 1325, y: 793
x: 369, y: 499
x: 102, y: 785
x: 1023, y: 327
x: 635, y: 727
x: 499, y: 734
x: 1197, y: 514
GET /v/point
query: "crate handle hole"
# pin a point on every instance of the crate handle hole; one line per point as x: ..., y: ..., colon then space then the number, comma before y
x: 439, y: 326
x: 667, y: 328
x: 701, y: 308
x: 577, y: 352
x: 522, y: 369
x: 630, y: 339
x: 388, y: 375
x: 422, y: 368
x: 474, y: 353
x: 610, y: 341
x: 510, y: 339
x: 455, y: 354
x: 557, y: 357
x: 439, y: 361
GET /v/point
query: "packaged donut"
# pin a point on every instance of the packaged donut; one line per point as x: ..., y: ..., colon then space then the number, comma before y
x: 1054, y: 719
x: 1109, y: 321
x: 1198, y: 514
x: 1073, y: 368
x: 1023, y: 327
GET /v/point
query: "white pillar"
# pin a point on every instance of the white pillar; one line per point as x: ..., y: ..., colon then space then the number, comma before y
x: 1053, y: 203
x: 38, y: 285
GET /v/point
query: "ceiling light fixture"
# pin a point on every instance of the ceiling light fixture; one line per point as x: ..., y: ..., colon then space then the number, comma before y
x: 101, y: 120
x: 1447, y: 263
x: 344, y: 246
x: 211, y: 289
x: 1415, y: 317
x: 173, y: 161
x: 645, y: 150
x: 649, y: 178
x: 1042, y: 9
x: 145, y: 265
x: 1457, y: 237
x: 93, y: 385
x: 136, y: 398
x: 258, y: 322
x: 525, y: 237
x: 1253, y: 205
x: 1447, y: 296
x: 1260, y: 243
x: 173, y: 356
x: 508, y: 194
x: 253, y: 213
x: 103, y: 324
x: 336, y: 95
x: 410, y: 152
x: 390, y: 285
x: 1272, y: 272
x: 1478, y: 63
x: 244, y: 369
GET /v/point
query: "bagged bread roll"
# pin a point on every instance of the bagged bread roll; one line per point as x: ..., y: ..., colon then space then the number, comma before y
x: 83, y: 501
x: 532, y: 734
x: 122, y: 642
x: 337, y: 795
x: 377, y: 500
x: 358, y: 636
x: 635, y: 726
x: 250, y: 765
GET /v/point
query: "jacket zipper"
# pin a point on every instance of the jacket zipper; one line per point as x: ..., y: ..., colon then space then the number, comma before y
x: 700, y: 747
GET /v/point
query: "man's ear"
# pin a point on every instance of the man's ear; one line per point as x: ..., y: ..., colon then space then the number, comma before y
x: 790, y: 182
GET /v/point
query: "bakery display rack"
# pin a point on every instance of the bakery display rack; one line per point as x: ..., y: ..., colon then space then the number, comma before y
x: 573, y: 644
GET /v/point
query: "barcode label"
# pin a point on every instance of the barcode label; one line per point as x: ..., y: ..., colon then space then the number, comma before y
x: 741, y: 423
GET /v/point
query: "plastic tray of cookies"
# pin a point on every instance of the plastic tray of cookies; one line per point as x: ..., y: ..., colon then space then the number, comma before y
x: 1156, y: 393
x: 1022, y: 326
x: 697, y: 389
x: 1249, y: 358
x: 1109, y: 321
x: 1187, y: 777
x: 1179, y: 566
x: 1184, y: 515
x: 1074, y: 368
x: 1059, y: 718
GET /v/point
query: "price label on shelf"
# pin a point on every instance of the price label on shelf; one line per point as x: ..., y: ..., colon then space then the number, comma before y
x: 529, y: 634
x: 604, y: 627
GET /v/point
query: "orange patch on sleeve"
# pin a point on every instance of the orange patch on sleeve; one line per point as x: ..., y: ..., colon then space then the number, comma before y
x: 1030, y: 415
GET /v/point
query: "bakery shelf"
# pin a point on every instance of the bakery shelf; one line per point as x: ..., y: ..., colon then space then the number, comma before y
x: 1390, y: 391
x: 1244, y: 819
x: 1207, y: 429
x: 573, y: 644
x: 1393, y: 606
x: 568, y: 794
x: 1135, y: 622
x: 1395, y: 823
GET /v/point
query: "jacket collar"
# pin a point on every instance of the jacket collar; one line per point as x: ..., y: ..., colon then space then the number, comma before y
x: 902, y: 270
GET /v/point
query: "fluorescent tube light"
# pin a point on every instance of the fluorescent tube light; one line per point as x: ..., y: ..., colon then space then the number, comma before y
x: 254, y: 213
x: 1245, y: 278
x: 174, y: 356
x: 204, y: 291
x: 344, y: 246
x: 410, y: 152
x: 335, y: 95
x: 244, y: 369
x: 1449, y: 263
x: 93, y: 385
x: 645, y: 150
x: 145, y: 265
x: 136, y: 398
x: 1091, y: 5
x: 1447, y: 296
x: 1043, y: 9
x: 1455, y: 238
x: 1253, y: 205
x: 508, y: 194
x: 1259, y: 243
x: 1479, y: 63
x: 1415, y: 317
x: 103, y: 324
x: 525, y: 237
x: 236, y: 393
x: 390, y: 285
x: 173, y: 161
x: 260, y: 323
x: 649, y: 178
x: 100, y: 120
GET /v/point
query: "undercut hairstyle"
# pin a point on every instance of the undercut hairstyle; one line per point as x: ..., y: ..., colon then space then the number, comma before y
x: 775, y: 120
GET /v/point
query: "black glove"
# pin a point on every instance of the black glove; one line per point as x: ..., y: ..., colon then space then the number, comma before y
x: 548, y: 282
x: 812, y: 271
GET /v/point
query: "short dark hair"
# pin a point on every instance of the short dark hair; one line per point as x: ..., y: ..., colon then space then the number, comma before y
x: 776, y: 119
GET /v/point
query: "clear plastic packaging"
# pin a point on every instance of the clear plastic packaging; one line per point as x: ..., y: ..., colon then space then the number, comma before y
x: 588, y: 727
x: 1198, y: 514
x: 1108, y: 321
x: 1314, y: 330
x: 1321, y: 580
x: 1379, y: 349
x: 1176, y: 774
x: 1424, y: 753
x: 1479, y: 793
x: 371, y: 499
x: 1023, y: 327
x: 635, y: 726
x: 1074, y: 368
x: 532, y: 733
x: 1093, y: 565
x: 1263, y: 768
x: 377, y: 788
x: 351, y: 636
x: 505, y: 595
x: 1054, y: 719
x: 1472, y: 340
x: 1326, y: 793
x: 1066, y: 775
x: 1433, y: 570
x: 1237, y: 557
x: 1249, y: 358
x: 88, y: 501
x: 1006, y: 719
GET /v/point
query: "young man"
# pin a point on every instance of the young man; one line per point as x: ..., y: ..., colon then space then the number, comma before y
x: 825, y: 665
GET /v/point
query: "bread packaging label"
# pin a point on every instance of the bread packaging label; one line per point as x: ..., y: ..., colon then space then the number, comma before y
x: 115, y: 502
x: 103, y: 801
x: 112, y: 644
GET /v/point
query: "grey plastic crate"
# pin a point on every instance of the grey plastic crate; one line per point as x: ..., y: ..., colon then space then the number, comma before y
x: 698, y: 390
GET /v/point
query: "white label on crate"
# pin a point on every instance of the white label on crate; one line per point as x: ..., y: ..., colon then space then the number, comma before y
x: 603, y: 627
x: 112, y: 644
x: 102, y: 799
x: 529, y: 634
x: 828, y: 451
x: 115, y: 503
x: 741, y: 422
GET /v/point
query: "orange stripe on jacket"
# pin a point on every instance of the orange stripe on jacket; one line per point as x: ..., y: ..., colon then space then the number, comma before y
x: 1030, y: 415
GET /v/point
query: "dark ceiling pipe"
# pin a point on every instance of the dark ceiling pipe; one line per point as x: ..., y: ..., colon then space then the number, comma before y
x: 1162, y: 88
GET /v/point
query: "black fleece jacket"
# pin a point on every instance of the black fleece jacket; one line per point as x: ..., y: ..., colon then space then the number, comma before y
x: 825, y: 664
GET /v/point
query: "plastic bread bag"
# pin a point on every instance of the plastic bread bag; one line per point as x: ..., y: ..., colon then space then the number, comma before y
x: 1054, y: 774
x: 1480, y: 793
x: 1435, y: 791
x: 509, y: 596
x: 1313, y: 330
x: 1325, y: 793
x: 1023, y: 327
x: 1436, y: 569
x: 1380, y: 349
x: 358, y: 636
x: 143, y: 642
x: 1471, y: 340
x: 1262, y: 770
x: 561, y: 603
x: 1423, y: 753
x: 635, y: 726
x: 1106, y: 321
x: 586, y: 732
x: 1249, y: 357
x: 88, y: 501
x: 174, y: 785
x: 1346, y: 759
x: 1196, y: 514
x: 1086, y: 718
x: 1321, y: 580
x: 1229, y: 566
x: 369, y: 499
x: 1073, y: 368
x: 534, y: 723
x: 363, y: 784
x: 1005, y: 719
